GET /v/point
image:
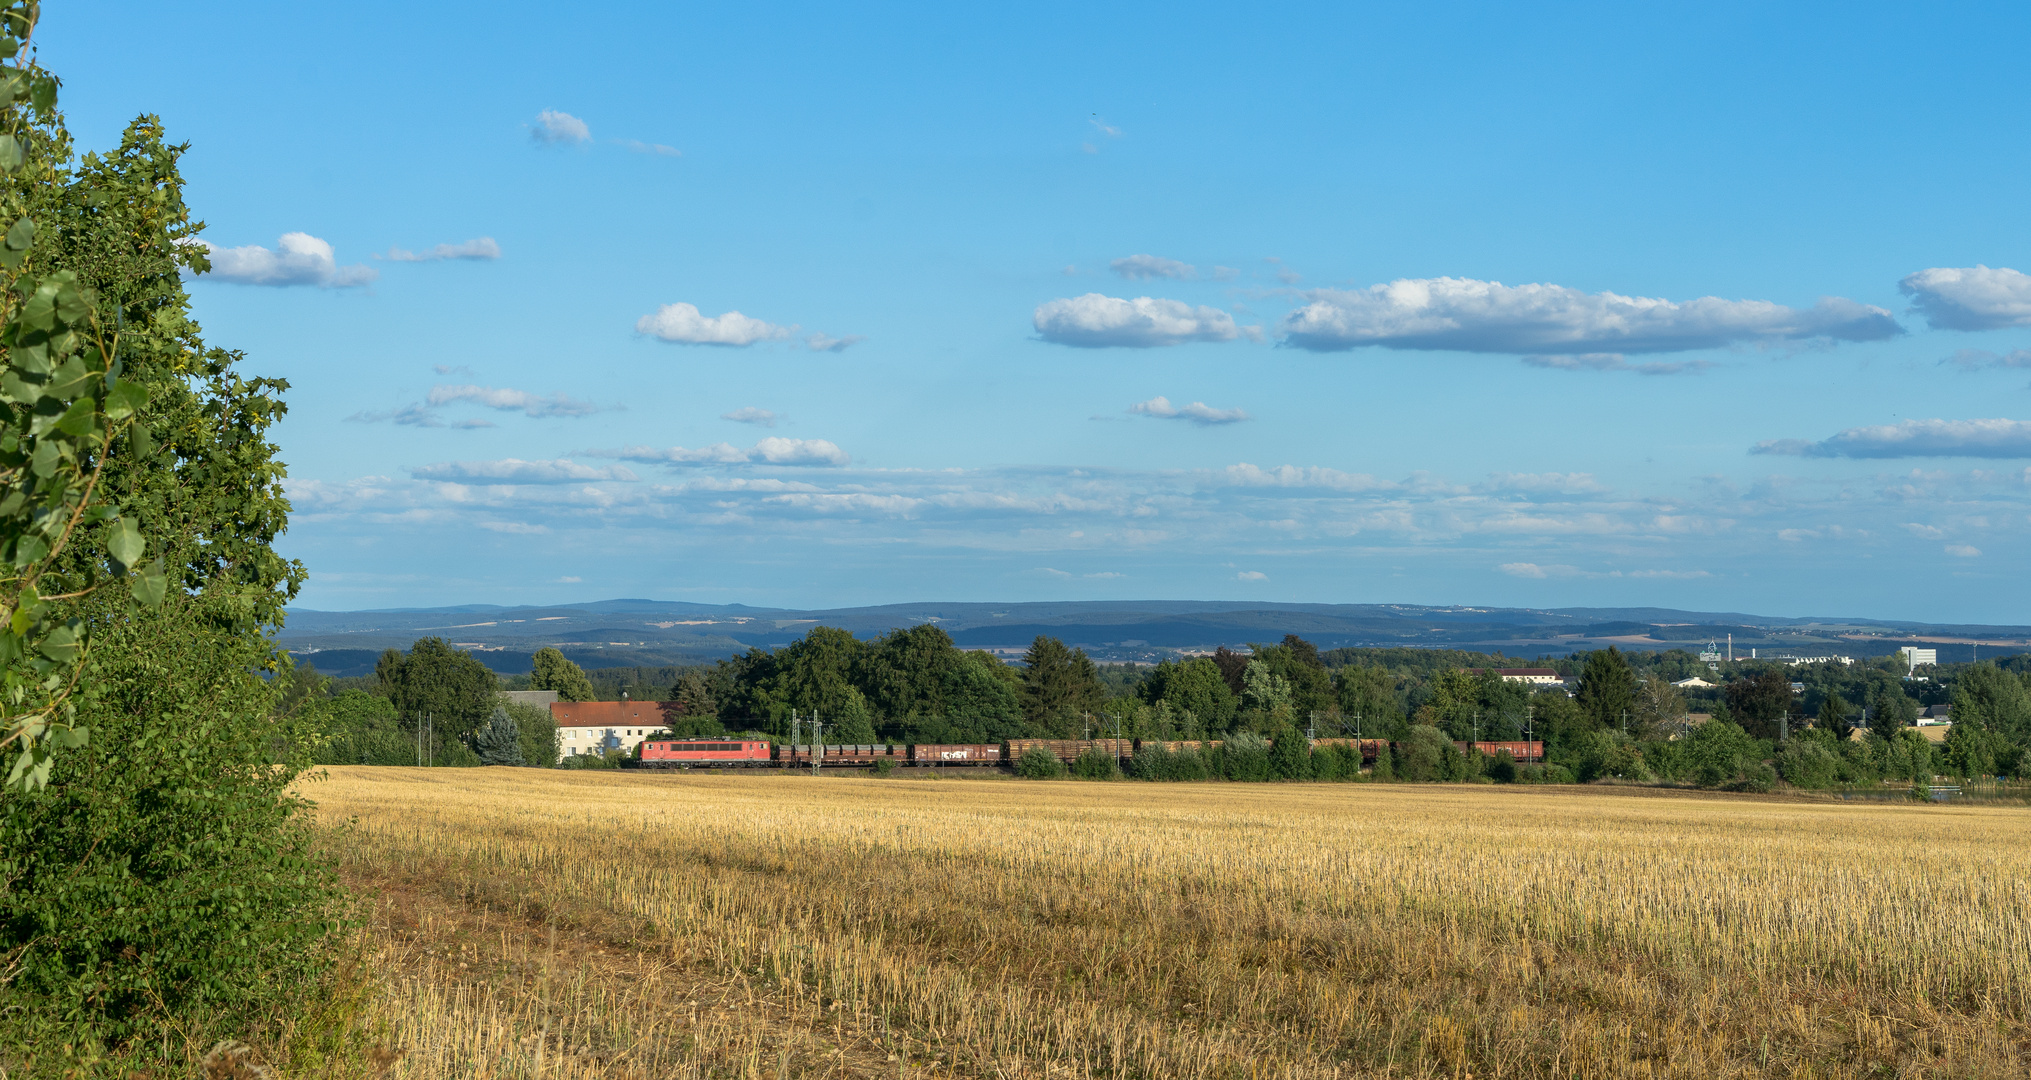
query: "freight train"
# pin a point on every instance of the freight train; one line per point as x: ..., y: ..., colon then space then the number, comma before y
x: 760, y: 753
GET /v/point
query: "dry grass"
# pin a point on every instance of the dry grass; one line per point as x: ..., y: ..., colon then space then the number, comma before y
x: 758, y: 926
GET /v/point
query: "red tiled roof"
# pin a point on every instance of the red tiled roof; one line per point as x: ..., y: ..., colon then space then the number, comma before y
x: 612, y: 713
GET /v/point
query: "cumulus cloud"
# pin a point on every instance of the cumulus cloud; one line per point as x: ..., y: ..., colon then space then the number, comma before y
x: 1251, y: 575
x: 298, y: 259
x: 774, y: 450
x: 1198, y: 412
x: 1525, y: 570
x: 1095, y: 321
x: 517, y: 471
x: 482, y: 248
x: 553, y: 128
x: 683, y: 324
x: 751, y: 415
x: 828, y: 343
x: 1970, y: 297
x: 1145, y: 267
x: 1914, y: 438
x: 1465, y: 315
x: 1963, y: 551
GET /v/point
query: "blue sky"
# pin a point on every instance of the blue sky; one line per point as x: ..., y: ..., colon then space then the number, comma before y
x: 1703, y: 306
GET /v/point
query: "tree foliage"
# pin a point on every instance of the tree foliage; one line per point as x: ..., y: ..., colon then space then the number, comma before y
x: 552, y: 670
x: 1607, y: 693
x: 435, y: 680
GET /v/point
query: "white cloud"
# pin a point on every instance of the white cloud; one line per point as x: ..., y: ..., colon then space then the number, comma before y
x: 298, y: 259
x: 570, y: 580
x: 1977, y: 359
x: 1146, y: 267
x: 657, y: 149
x: 827, y: 343
x: 1915, y: 438
x: 683, y: 324
x: 482, y: 248
x: 1963, y: 551
x: 555, y: 127
x: 1251, y: 575
x: 1617, y: 362
x: 1523, y: 570
x: 751, y: 415
x: 774, y: 450
x: 515, y: 528
x: 507, y: 400
x: 1104, y: 127
x: 1095, y: 321
x: 1551, y: 320
x: 1300, y: 476
x: 517, y: 471
x: 1198, y: 412
x: 1970, y: 297
x: 1546, y: 483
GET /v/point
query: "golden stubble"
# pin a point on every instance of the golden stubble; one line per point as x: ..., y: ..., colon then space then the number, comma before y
x: 782, y: 926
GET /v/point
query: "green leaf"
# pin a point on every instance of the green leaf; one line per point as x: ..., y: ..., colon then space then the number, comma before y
x: 29, y: 549
x: 126, y: 543
x: 10, y: 153
x: 43, y: 95
x: 142, y: 439
x: 40, y: 311
x: 72, y: 305
x: 21, y: 235
x: 62, y: 644
x: 43, y: 462
x: 78, y: 420
x: 150, y: 585
x: 123, y: 401
x: 68, y: 380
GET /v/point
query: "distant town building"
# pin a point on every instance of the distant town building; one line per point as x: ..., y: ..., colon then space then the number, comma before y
x: 1915, y: 656
x: 1695, y: 683
x: 1936, y: 716
x: 1532, y: 676
x: 589, y: 727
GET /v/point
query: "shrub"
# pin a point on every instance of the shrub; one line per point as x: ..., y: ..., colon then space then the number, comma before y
x: 884, y: 766
x: 1503, y: 769
x: 1426, y: 754
x: 1096, y: 764
x: 1245, y: 756
x: 1290, y: 756
x: 1037, y: 763
x: 1719, y: 751
x: 1809, y: 761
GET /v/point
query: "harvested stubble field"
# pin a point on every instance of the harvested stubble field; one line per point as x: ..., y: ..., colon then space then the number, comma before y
x: 554, y: 924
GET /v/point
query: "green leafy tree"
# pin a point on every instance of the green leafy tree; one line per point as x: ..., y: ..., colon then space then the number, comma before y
x: 1720, y: 752
x: 1195, y: 686
x: 1836, y: 718
x: 1425, y: 755
x: 1987, y: 697
x: 555, y: 671
x: 817, y: 674
x: 1059, y: 685
x: 160, y: 875
x: 536, y: 733
x: 692, y: 697
x: 1607, y: 693
x: 1264, y: 691
x: 1760, y: 702
x: 1890, y: 711
x: 1290, y: 755
x: 435, y: 680
x: 1970, y: 750
x: 499, y: 741
x: 1368, y: 703
x: 1660, y: 708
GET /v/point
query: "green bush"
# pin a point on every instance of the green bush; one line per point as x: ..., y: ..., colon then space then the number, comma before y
x: 499, y: 741
x: 1096, y: 764
x: 1502, y: 769
x: 1425, y: 754
x: 1290, y: 756
x: 165, y: 879
x: 884, y: 766
x: 1720, y: 751
x: 1037, y: 763
x: 1810, y: 760
x: 1244, y: 756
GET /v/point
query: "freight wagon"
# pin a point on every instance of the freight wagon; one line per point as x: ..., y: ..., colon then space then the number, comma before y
x: 956, y: 754
x: 1068, y: 750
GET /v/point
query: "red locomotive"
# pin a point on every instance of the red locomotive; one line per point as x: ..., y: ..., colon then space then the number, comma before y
x: 680, y: 753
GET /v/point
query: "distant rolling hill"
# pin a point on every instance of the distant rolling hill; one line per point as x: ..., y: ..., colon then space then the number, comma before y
x: 614, y: 633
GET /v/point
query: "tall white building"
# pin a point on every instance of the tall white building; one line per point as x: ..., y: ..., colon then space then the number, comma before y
x: 1915, y: 656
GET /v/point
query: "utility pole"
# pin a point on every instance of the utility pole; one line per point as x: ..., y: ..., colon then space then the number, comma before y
x: 818, y: 740
x: 1312, y: 731
x: 419, y: 743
